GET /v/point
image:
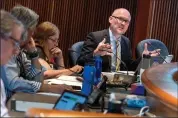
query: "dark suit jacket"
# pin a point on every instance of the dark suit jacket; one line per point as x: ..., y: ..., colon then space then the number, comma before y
x: 92, y: 41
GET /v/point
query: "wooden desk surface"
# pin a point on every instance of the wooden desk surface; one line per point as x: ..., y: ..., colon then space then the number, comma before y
x: 159, y: 81
x: 53, y: 99
x: 60, y: 113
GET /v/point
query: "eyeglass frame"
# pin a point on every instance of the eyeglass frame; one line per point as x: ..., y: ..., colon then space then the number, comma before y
x: 16, y: 42
x: 121, y: 19
x: 56, y: 41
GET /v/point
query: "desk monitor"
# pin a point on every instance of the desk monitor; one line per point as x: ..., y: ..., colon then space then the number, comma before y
x: 69, y: 100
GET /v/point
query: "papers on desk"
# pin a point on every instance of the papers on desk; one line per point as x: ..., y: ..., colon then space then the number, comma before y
x: 68, y: 80
x: 23, y: 106
x: 119, y: 77
x: 110, y: 75
x: 49, y: 94
x: 125, y: 72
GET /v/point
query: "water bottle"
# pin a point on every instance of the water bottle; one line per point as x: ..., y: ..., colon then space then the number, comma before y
x: 98, y: 66
x: 145, y: 63
x: 88, y: 76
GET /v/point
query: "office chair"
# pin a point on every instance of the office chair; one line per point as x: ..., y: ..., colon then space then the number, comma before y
x: 74, y: 52
x: 152, y: 45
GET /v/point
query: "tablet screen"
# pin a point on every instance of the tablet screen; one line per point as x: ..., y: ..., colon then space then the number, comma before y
x: 69, y: 100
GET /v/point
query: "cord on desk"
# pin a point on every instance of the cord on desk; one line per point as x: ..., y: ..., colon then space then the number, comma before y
x: 142, y: 111
x: 145, y: 112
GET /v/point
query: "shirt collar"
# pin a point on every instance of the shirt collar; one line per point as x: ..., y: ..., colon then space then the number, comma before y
x: 112, y: 37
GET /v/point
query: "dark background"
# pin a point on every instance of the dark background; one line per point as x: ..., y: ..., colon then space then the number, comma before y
x: 76, y: 18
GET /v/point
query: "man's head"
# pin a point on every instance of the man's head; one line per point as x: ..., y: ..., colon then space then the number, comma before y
x: 28, y: 18
x: 119, y: 21
x: 10, y: 34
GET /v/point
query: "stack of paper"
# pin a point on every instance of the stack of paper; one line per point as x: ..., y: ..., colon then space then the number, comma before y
x: 68, y: 80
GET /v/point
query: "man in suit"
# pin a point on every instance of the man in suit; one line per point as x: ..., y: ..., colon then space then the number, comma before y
x: 105, y: 43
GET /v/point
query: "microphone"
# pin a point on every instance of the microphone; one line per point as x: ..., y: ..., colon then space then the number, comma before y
x: 125, y: 66
x: 156, y: 51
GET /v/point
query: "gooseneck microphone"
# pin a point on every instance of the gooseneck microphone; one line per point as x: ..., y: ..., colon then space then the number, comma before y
x: 156, y: 51
x: 122, y: 63
x: 125, y: 66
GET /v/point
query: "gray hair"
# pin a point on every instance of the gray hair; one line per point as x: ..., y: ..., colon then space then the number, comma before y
x: 7, y: 23
x: 27, y: 16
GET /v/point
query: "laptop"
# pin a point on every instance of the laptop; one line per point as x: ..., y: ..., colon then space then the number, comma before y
x: 69, y: 100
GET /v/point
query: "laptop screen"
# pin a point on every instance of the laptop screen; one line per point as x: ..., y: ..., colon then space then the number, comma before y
x: 69, y: 100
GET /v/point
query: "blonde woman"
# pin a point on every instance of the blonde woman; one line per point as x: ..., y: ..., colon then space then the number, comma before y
x: 46, y: 37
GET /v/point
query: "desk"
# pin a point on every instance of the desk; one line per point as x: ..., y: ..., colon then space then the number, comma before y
x: 160, y: 83
x: 53, y: 99
x: 29, y: 97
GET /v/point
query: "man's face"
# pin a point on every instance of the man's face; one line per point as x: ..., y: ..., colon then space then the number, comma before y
x: 10, y: 45
x: 119, y: 21
x: 29, y: 34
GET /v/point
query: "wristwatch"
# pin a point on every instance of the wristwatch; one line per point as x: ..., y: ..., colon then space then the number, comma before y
x: 33, y: 54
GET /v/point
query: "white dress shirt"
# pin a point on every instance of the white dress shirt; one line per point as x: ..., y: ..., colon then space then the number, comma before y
x: 114, y: 49
x: 4, y: 111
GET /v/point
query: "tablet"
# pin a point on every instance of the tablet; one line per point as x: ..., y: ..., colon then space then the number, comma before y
x: 69, y: 100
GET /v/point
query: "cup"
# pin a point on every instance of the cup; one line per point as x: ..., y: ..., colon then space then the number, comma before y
x: 115, y: 106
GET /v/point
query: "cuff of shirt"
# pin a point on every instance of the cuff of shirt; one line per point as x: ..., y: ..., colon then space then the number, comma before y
x: 36, y: 86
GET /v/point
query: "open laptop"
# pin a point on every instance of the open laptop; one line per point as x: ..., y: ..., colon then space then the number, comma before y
x: 69, y: 100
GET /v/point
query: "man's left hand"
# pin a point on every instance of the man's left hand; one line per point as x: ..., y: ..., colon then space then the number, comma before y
x: 151, y: 53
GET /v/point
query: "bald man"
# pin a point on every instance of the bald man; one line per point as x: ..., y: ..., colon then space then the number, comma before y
x: 111, y: 43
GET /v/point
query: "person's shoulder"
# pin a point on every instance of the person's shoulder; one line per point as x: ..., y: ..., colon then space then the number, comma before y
x: 100, y: 32
x: 124, y: 37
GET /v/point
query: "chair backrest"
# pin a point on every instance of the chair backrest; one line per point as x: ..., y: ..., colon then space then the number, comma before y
x: 153, y: 44
x: 74, y: 52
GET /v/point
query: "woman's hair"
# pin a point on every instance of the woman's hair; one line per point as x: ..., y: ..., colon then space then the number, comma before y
x: 7, y: 22
x: 27, y: 16
x: 44, y: 31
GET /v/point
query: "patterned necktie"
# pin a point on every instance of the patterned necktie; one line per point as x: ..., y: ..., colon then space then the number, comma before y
x: 118, y: 55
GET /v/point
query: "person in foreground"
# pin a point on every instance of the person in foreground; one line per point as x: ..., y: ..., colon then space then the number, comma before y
x: 112, y: 45
x: 46, y: 37
x: 10, y: 34
x: 24, y: 75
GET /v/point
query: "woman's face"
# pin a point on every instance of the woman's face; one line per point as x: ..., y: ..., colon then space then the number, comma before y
x: 52, y: 41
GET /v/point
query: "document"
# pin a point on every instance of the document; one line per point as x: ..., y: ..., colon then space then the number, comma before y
x: 23, y: 106
x: 68, y: 80
x: 120, y: 76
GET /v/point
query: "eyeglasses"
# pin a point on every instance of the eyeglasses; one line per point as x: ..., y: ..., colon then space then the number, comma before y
x: 16, y: 42
x: 54, y: 40
x: 120, y: 19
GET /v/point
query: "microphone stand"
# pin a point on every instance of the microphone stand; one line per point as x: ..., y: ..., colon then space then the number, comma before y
x: 126, y: 86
